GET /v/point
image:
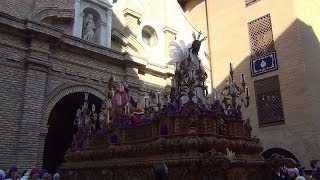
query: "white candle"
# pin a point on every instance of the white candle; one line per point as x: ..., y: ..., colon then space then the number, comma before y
x: 119, y: 101
x: 216, y: 96
x: 78, y: 113
x: 109, y: 104
x: 93, y: 108
x: 101, y: 117
x: 121, y: 87
x: 125, y: 109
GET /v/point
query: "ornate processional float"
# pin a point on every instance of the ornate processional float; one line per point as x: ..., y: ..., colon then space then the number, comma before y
x: 192, y: 140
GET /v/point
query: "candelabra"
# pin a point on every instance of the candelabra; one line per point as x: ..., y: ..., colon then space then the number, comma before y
x: 87, y: 120
x: 188, y: 82
x: 151, y: 108
x: 232, y: 96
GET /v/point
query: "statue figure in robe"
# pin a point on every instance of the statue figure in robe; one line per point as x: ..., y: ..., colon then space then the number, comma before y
x: 189, y: 80
x: 88, y: 28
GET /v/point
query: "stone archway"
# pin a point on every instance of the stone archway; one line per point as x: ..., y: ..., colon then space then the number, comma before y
x: 61, y: 128
x: 53, y: 99
x: 267, y: 153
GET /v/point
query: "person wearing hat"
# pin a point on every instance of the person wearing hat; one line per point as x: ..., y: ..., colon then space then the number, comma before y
x: 34, y: 174
x: 56, y: 176
x: 2, y: 174
x: 44, y: 174
x: 293, y: 173
x: 315, y: 164
x: 12, y: 173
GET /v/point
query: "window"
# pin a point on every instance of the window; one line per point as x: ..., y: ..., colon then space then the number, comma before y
x: 268, y: 100
x: 250, y: 2
x: 261, y: 37
x: 149, y: 36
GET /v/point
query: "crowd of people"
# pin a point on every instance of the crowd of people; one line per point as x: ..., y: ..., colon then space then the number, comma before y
x: 32, y: 174
x: 284, y: 173
x: 160, y: 170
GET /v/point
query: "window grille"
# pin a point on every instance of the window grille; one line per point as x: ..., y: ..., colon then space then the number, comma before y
x: 268, y: 100
x: 261, y: 37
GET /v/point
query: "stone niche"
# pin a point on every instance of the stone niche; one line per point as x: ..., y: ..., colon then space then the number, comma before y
x: 92, y: 21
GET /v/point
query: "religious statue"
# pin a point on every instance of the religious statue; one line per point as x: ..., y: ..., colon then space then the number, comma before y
x: 188, y: 81
x: 247, y: 127
x: 120, y: 102
x: 222, y: 127
x: 88, y: 28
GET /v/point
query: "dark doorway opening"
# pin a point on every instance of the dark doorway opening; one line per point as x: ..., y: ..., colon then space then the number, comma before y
x: 61, y: 128
x: 267, y: 154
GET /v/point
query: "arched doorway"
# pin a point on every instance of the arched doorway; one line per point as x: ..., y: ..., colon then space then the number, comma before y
x: 267, y: 154
x: 61, y: 128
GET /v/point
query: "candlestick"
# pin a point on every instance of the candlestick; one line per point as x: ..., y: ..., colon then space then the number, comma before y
x: 242, y: 78
x: 145, y: 102
x: 109, y: 104
x: 218, y: 95
x: 173, y: 82
x: 238, y: 100
x: 158, y: 97
x: 247, y: 91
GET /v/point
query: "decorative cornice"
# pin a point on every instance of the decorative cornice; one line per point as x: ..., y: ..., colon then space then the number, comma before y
x: 131, y: 12
x: 170, y: 30
x: 100, y: 3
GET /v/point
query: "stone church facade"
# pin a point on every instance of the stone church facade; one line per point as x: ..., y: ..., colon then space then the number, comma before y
x: 45, y: 56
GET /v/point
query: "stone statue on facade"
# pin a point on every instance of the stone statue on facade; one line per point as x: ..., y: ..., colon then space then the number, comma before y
x: 88, y: 28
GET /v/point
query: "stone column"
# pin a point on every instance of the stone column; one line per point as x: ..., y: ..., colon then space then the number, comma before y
x: 109, y: 28
x: 169, y: 35
x: 78, y: 19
